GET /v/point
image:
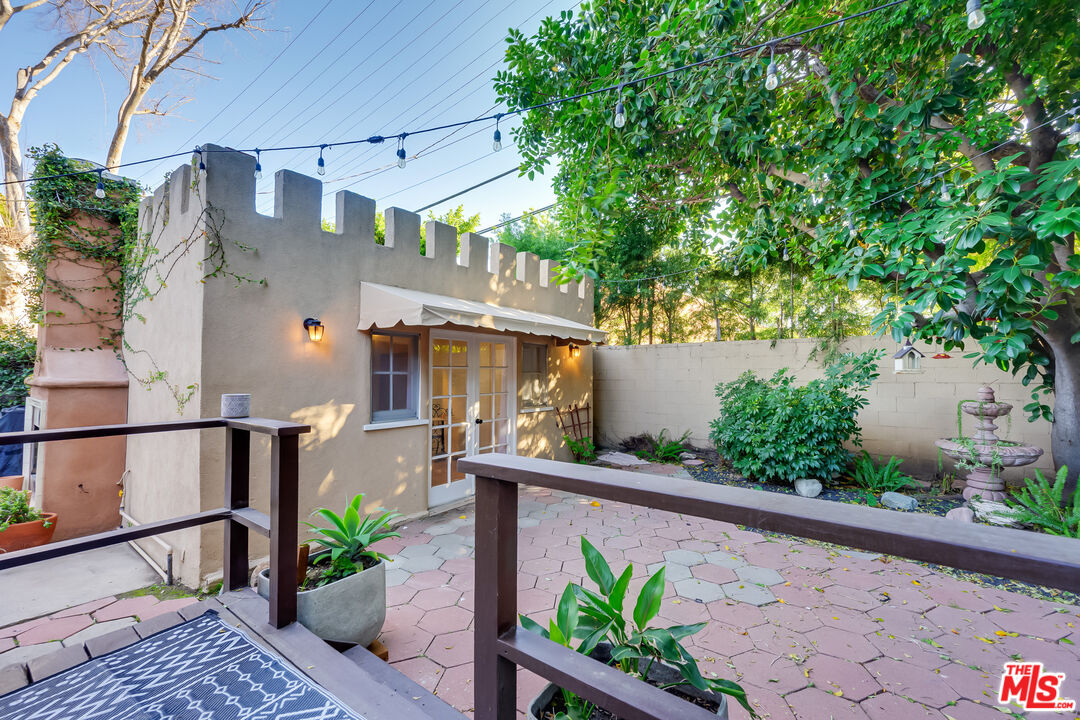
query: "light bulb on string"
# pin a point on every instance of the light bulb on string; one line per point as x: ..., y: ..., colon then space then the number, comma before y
x: 401, y: 152
x: 620, y: 110
x: 321, y: 166
x: 1073, y: 133
x: 975, y: 15
x: 946, y: 196
x: 496, y: 144
x: 771, y: 80
x: 202, y: 165
x: 99, y: 192
x: 258, y: 165
x: 786, y: 256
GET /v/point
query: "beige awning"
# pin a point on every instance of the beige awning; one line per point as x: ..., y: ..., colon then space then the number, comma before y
x: 383, y: 306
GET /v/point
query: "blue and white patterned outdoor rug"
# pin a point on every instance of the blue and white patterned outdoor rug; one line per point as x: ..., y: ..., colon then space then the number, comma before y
x: 203, y: 669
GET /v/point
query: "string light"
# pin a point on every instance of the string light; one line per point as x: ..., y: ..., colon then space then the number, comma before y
x: 321, y: 167
x: 975, y: 15
x: 258, y: 165
x: 99, y: 192
x: 946, y: 196
x: 496, y: 144
x: 620, y: 110
x: 771, y: 80
x: 786, y: 256
x: 1074, y: 133
x: 401, y: 155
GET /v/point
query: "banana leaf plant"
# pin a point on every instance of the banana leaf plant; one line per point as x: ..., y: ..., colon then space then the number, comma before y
x: 594, y: 617
x: 349, y: 539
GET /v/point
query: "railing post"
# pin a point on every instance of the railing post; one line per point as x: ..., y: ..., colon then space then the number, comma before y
x: 495, y: 677
x: 284, y: 535
x: 237, y: 496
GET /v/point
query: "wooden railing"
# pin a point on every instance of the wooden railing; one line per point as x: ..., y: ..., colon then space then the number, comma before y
x: 280, y: 526
x: 501, y: 646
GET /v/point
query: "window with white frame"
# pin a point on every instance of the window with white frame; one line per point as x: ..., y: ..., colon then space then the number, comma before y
x: 534, y: 380
x: 395, y: 374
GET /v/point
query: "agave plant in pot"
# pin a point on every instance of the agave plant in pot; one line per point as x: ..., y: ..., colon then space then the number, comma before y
x: 654, y: 655
x: 342, y: 596
x: 22, y: 526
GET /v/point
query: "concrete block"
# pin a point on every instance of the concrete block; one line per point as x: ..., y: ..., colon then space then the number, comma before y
x: 355, y: 216
x: 501, y: 260
x: 403, y: 232
x: 441, y: 241
x: 528, y: 267
x: 474, y: 251
x: 297, y: 199
x: 229, y: 181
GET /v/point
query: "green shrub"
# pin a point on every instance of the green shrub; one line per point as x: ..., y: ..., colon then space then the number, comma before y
x: 349, y: 539
x: 661, y: 449
x: 595, y: 616
x: 18, y: 347
x: 584, y: 450
x: 775, y: 430
x: 880, y: 478
x: 15, y: 508
x: 1046, y: 507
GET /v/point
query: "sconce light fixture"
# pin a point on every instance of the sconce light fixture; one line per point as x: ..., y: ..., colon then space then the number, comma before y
x: 575, y: 350
x: 314, y: 329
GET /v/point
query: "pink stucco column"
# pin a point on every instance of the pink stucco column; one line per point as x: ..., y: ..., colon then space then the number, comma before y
x: 82, y: 381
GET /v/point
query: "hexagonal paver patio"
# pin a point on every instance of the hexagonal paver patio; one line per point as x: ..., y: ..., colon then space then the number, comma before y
x: 811, y: 632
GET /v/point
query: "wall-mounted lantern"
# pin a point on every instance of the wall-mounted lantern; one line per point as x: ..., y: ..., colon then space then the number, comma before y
x: 575, y: 350
x: 314, y: 329
x: 908, y: 360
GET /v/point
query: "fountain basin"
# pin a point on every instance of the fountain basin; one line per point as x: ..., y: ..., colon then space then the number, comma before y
x: 1008, y: 454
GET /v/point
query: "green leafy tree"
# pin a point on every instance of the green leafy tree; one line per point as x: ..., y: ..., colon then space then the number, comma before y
x: 902, y: 148
x: 18, y: 347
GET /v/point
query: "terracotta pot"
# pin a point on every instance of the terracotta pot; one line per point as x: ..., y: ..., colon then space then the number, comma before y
x: 28, y: 534
x: 15, y: 482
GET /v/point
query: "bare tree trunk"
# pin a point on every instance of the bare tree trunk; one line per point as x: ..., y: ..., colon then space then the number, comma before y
x: 15, y: 192
x: 165, y: 39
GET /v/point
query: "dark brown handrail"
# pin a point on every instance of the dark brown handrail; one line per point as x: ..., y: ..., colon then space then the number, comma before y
x: 280, y: 525
x: 500, y: 646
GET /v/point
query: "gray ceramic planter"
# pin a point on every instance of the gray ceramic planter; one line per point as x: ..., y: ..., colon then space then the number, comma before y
x: 351, y: 610
x: 658, y: 673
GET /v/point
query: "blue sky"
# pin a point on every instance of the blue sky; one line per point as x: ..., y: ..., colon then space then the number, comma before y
x: 361, y: 68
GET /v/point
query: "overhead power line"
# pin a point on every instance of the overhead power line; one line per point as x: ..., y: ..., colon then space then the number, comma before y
x: 403, y: 136
x: 255, y: 79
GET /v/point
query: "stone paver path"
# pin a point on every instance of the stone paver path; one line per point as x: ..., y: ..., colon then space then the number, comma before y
x: 27, y: 640
x: 811, y: 633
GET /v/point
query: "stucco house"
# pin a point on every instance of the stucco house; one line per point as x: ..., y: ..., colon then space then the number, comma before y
x: 423, y: 358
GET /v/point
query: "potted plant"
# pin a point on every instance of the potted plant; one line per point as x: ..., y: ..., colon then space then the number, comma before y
x: 342, y: 595
x: 22, y: 526
x: 654, y: 655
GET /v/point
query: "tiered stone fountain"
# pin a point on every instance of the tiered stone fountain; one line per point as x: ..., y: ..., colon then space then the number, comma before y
x: 986, y: 451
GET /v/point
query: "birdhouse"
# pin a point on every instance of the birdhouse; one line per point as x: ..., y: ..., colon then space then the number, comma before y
x: 908, y: 360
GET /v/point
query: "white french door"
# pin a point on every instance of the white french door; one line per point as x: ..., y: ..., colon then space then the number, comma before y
x: 473, y: 405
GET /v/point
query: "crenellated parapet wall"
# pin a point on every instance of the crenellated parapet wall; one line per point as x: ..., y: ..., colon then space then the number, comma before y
x: 467, y: 266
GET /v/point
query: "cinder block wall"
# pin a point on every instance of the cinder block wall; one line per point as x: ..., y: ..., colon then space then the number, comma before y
x: 652, y: 387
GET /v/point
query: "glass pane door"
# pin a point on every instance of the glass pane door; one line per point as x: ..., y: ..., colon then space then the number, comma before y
x: 494, y: 395
x: 472, y: 406
x: 450, y: 408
